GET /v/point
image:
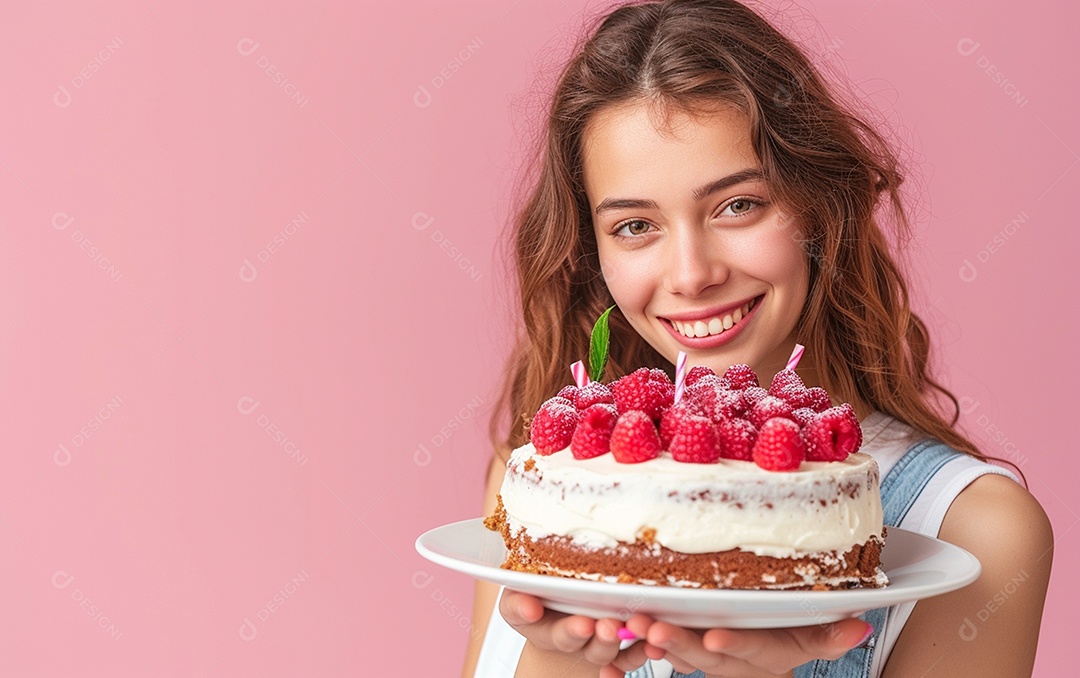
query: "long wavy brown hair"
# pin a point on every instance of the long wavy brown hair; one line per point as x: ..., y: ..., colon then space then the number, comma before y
x: 832, y: 171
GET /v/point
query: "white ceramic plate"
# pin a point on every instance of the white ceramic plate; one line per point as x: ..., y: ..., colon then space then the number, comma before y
x: 917, y: 566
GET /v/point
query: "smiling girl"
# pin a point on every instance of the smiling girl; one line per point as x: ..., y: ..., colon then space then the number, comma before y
x: 700, y: 175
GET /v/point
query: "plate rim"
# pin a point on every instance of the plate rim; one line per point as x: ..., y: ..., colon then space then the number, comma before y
x: 869, y: 598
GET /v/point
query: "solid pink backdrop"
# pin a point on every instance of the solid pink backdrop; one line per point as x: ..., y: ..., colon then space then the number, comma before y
x: 255, y: 308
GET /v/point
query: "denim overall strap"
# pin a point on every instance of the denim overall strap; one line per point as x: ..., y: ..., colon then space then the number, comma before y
x: 899, y: 490
x: 647, y: 672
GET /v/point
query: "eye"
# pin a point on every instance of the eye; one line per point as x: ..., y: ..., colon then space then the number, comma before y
x: 634, y: 227
x: 740, y: 206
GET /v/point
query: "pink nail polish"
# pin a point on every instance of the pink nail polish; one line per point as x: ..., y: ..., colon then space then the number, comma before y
x: 626, y: 634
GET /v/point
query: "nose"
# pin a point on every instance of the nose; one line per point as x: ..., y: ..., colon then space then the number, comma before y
x: 693, y: 262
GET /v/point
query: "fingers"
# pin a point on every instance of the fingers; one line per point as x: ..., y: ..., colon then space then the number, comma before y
x: 519, y: 609
x: 547, y: 629
x: 603, y: 647
x: 754, y: 652
x: 823, y: 641
x: 629, y: 659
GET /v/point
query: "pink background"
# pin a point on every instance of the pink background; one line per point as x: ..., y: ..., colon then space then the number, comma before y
x: 237, y: 312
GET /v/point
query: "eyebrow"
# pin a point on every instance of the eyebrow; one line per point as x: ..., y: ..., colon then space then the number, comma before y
x: 610, y: 204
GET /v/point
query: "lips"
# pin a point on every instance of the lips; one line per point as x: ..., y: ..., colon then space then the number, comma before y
x: 710, y: 328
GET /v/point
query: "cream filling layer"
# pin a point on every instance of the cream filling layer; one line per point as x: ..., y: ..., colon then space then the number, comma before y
x: 695, y: 508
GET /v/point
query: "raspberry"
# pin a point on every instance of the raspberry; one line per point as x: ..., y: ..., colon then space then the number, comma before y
x: 741, y: 376
x: 784, y: 379
x: 767, y: 408
x: 643, y: 390
x: 803, y: 416
x: 592, y: 437
x: 697, y: 372
x: 702, y: 396
x: 634, y: 438
x: 695, y: 441
x: 592, y: 393
x: 552, y: 428
x: 568, y: 392
x: 658, y: 375
x: 672, y: 419
x: 819, y: 400
x: 833, y: 434
x: 794, y: 395
x: 736, y: 437
x: 710, y: 380
x: 753, y: 394
x: 779, y: 446
x: 730, y: 404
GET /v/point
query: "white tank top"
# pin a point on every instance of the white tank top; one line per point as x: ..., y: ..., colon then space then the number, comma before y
x: 884, y: 438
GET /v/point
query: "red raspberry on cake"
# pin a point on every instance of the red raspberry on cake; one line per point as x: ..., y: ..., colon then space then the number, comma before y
x: 697, y: 372
x: 702, y: 396
x: 789, y: 387
x: 729, y: 404
x: 642, y: 390
x: 833, y: 434
x: 767, y: 408
x: 695, y: 441
x: 753, y: 394
x: 672, y: 419
x: 635, y: 438
x: 737, y: 437
x: 591, y: 394
x: 779, y: 446
x: 785, y: 379
x: 803, y: 416
x: 552, y: 428
x: 659, y: 376
x: 568, y: 392
x: 819, y: 399
x: 796, y: 396
x: 741, y: 377
x: 592, y: 437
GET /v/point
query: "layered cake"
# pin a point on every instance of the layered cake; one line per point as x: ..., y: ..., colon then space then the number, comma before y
x: 735, y: 486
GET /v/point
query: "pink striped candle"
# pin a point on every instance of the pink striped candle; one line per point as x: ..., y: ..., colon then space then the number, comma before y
x: 796, y: 355
x: 581, y: 376
x: 680, y: 375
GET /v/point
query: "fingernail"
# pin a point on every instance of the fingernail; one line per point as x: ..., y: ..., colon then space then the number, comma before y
x: 866, y: 636
x: 626, y: 634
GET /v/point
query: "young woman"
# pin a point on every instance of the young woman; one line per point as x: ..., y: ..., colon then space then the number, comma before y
x: 697, y: 168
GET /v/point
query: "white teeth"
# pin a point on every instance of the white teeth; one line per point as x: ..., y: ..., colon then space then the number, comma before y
x: 703, y: 328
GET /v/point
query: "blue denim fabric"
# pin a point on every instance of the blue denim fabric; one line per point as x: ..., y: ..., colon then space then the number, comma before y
x: 647, y: 672
x: 899, y: 490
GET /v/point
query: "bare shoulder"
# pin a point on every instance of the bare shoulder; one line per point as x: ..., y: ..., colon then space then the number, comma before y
x: 991, y: 627
x: 995, y: 506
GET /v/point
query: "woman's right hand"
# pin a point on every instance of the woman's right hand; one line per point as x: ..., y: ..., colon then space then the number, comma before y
x: 576, y: 643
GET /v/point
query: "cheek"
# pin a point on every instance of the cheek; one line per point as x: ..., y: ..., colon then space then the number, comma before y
x: 775, y: 255
x: 627, y: 279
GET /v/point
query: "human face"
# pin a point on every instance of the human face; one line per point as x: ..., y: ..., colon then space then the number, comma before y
x: 689, y: 240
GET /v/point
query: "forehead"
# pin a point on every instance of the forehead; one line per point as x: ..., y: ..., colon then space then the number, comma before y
x: 647, y: 149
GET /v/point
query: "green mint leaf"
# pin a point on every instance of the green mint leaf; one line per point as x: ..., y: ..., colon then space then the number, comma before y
x: 598, y: 346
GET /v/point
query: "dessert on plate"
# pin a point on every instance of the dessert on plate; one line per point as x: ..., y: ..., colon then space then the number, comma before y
x: 725, y: 485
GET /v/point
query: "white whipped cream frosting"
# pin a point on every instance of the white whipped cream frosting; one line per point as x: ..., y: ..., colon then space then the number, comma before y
x: 694, y: 508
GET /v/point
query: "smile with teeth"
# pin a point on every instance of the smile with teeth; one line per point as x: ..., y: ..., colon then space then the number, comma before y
x: 710, y: 326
